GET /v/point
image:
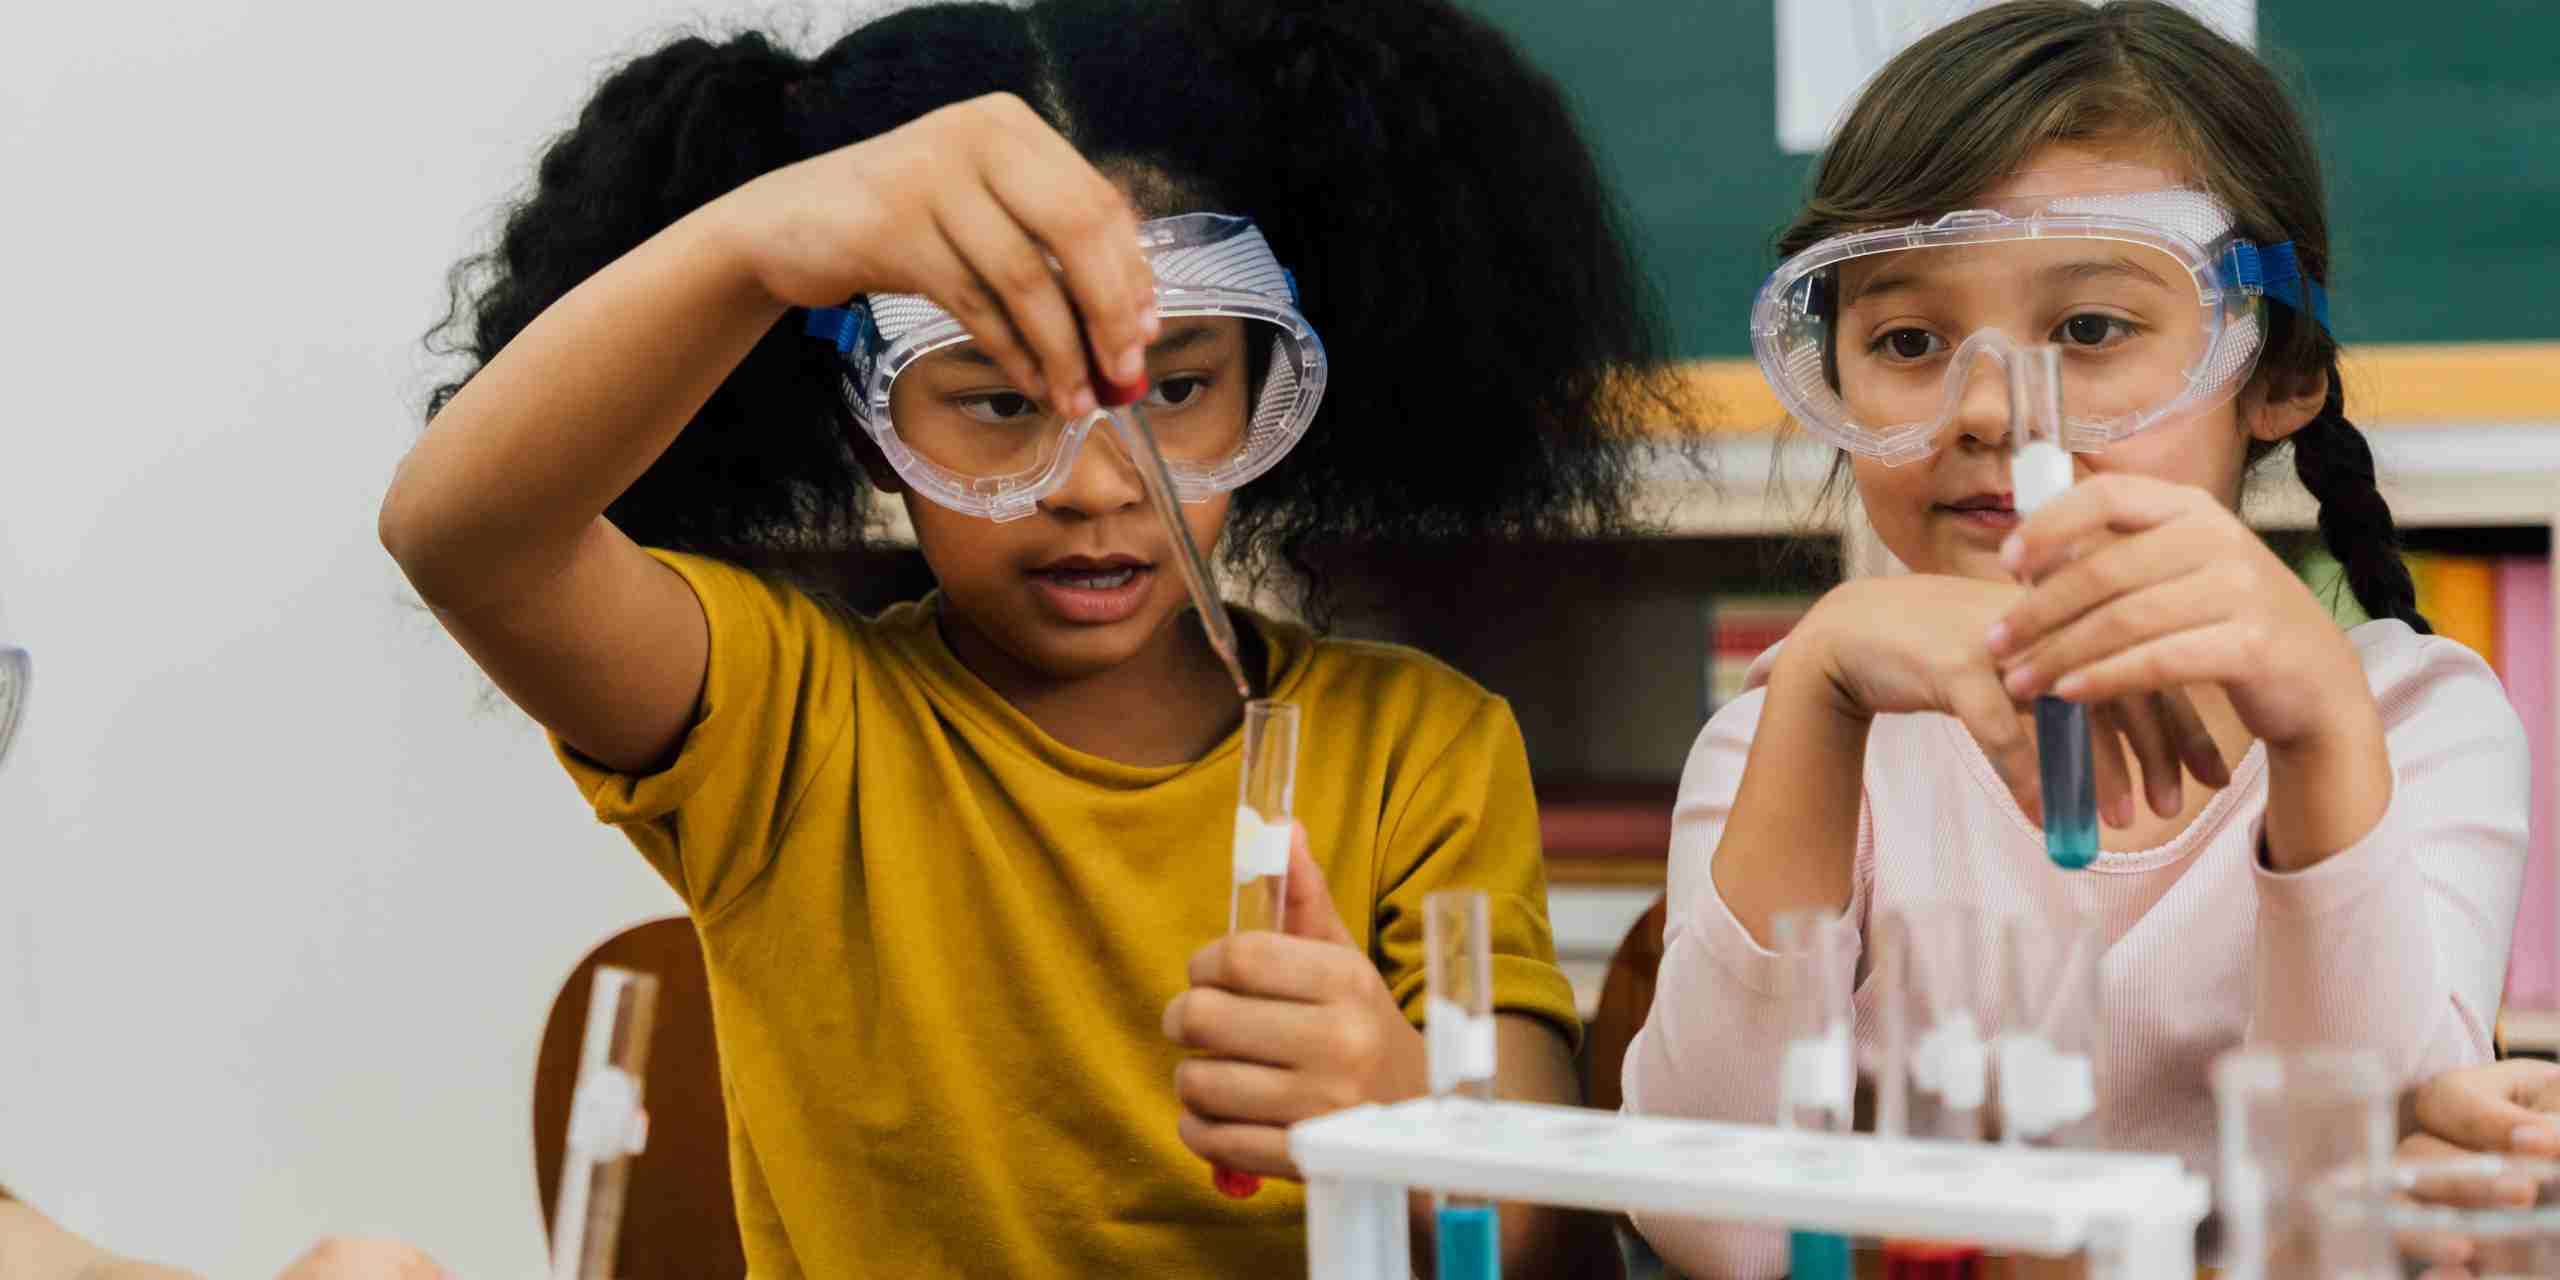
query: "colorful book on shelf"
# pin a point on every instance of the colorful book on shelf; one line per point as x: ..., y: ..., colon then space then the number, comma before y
x: 1606, y: 833
x: 2459, y: 595
x: 1740, y: 629
x: 2525, y: 657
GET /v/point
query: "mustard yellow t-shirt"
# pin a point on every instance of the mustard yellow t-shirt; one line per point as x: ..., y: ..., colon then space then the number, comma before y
x: 940, y: 943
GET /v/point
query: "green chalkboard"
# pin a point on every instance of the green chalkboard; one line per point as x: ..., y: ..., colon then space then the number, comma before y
x: 2440, y: 125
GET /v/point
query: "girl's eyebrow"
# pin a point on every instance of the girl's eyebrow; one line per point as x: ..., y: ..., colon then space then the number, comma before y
x: 1912, y: 275
x: 1180, y: 337
x: 2101, y: 268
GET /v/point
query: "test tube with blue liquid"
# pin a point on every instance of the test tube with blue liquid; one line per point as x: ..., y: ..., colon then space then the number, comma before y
x: 1261, y: 859
x: 2039, y: 471
x: 1458, y: 1042
x: 1817, y: 1078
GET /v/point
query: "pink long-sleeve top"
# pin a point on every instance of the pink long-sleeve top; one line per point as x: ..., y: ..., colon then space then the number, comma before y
x: 2397, y: 943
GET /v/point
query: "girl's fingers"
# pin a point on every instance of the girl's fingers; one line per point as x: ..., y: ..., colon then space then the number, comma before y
x: 1003, y: 255
x: 1243, y: 1148
x: 1994, y: 721
x: 2218, y: 653
x: 1086, y: 224
x: 2113, y: 503
x: 2067, y: 598
x: 951, y: 283
x: 1221, y: 1090
x: 2106, y: 757
x: 2483, y: 1108
x: 1279, y: 1033
x: 2195, y: 745
x: 2146, y: 731
x: 1277, y: 966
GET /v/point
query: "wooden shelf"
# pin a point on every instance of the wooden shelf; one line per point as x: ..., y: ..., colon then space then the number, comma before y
x: 1738, y: 485
x: 2434, y: 477
x: 2412, y: 384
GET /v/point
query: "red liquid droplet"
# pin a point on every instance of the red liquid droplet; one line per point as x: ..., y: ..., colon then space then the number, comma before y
x: 1236, y: 1186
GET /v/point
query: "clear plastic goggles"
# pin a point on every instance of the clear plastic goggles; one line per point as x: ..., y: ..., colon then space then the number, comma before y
x: 2150, y: 295
x: 1236, y: 374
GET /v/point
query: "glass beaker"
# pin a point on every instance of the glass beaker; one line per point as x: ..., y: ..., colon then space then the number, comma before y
x: 2484, y: 1217
x: 2287, y: 1119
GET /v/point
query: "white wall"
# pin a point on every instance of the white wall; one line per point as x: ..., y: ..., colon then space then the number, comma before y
x: 282, y: 900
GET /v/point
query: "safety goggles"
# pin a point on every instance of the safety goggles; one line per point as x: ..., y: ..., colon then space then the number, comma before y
x: 1236, y: 374
x: 2151, y: 295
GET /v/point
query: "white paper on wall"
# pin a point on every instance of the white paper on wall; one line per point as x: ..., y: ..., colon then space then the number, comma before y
x: 1828, y: 48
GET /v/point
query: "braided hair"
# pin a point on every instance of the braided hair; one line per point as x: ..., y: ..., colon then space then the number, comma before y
x: 1967, y: 104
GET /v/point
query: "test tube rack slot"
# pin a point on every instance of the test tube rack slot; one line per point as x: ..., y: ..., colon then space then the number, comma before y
x: 2135, y: 1214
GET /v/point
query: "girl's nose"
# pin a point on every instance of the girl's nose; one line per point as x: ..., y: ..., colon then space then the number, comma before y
x: 1982, y: 408
x: 1101, y: 478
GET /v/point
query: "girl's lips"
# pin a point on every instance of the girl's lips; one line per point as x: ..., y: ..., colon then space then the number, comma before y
x: 1982, y: 517
x: 1092, y: 595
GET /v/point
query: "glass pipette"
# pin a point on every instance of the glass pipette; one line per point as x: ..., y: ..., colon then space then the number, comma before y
x: 2039, y: 470
x: 1138, y: 436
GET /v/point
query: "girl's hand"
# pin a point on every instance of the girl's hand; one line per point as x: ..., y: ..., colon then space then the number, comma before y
x: 2143, y: 586
x: 968, y: 206
x: 1286, y: 1027
x: 1914, y: 643
x: 2505, y: 1108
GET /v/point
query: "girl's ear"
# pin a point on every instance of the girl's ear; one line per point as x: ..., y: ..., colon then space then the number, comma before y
x: 2280, y: 404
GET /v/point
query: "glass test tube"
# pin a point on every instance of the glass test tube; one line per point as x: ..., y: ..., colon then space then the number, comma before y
x: 1264, y: 797
x: 607, y: 1125
x: 2489, y: 1217
x: 1941, y: 999
x: 16, y: 670
x: 1458, y: 1042
x: 2044, y: 1059
x: 2286, y: 1120
x: 2039, y: 470
x: 1817, y: 1079
x: 1941, y: 1002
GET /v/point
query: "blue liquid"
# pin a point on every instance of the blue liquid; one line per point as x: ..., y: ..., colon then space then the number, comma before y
x: 1816, y: 1255
x: 2070, y: 779
x: 1470, y: 1243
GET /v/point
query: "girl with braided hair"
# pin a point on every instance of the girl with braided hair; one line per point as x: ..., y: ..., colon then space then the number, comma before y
x: 2309, y: 835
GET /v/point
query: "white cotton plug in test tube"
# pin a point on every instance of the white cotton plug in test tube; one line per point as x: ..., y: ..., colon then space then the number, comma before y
x: 1260, y: 885
x: 1459, y: 1048
x: 607, y: 1125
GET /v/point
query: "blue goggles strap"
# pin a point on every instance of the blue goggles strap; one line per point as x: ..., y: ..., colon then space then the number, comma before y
x: 2275, y: 272
x: 844, y: 328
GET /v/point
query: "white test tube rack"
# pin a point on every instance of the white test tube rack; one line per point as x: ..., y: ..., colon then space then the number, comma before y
x: 2134, y: 1215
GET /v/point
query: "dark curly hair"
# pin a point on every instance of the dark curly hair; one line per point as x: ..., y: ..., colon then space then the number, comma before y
x: 1495, y: 349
